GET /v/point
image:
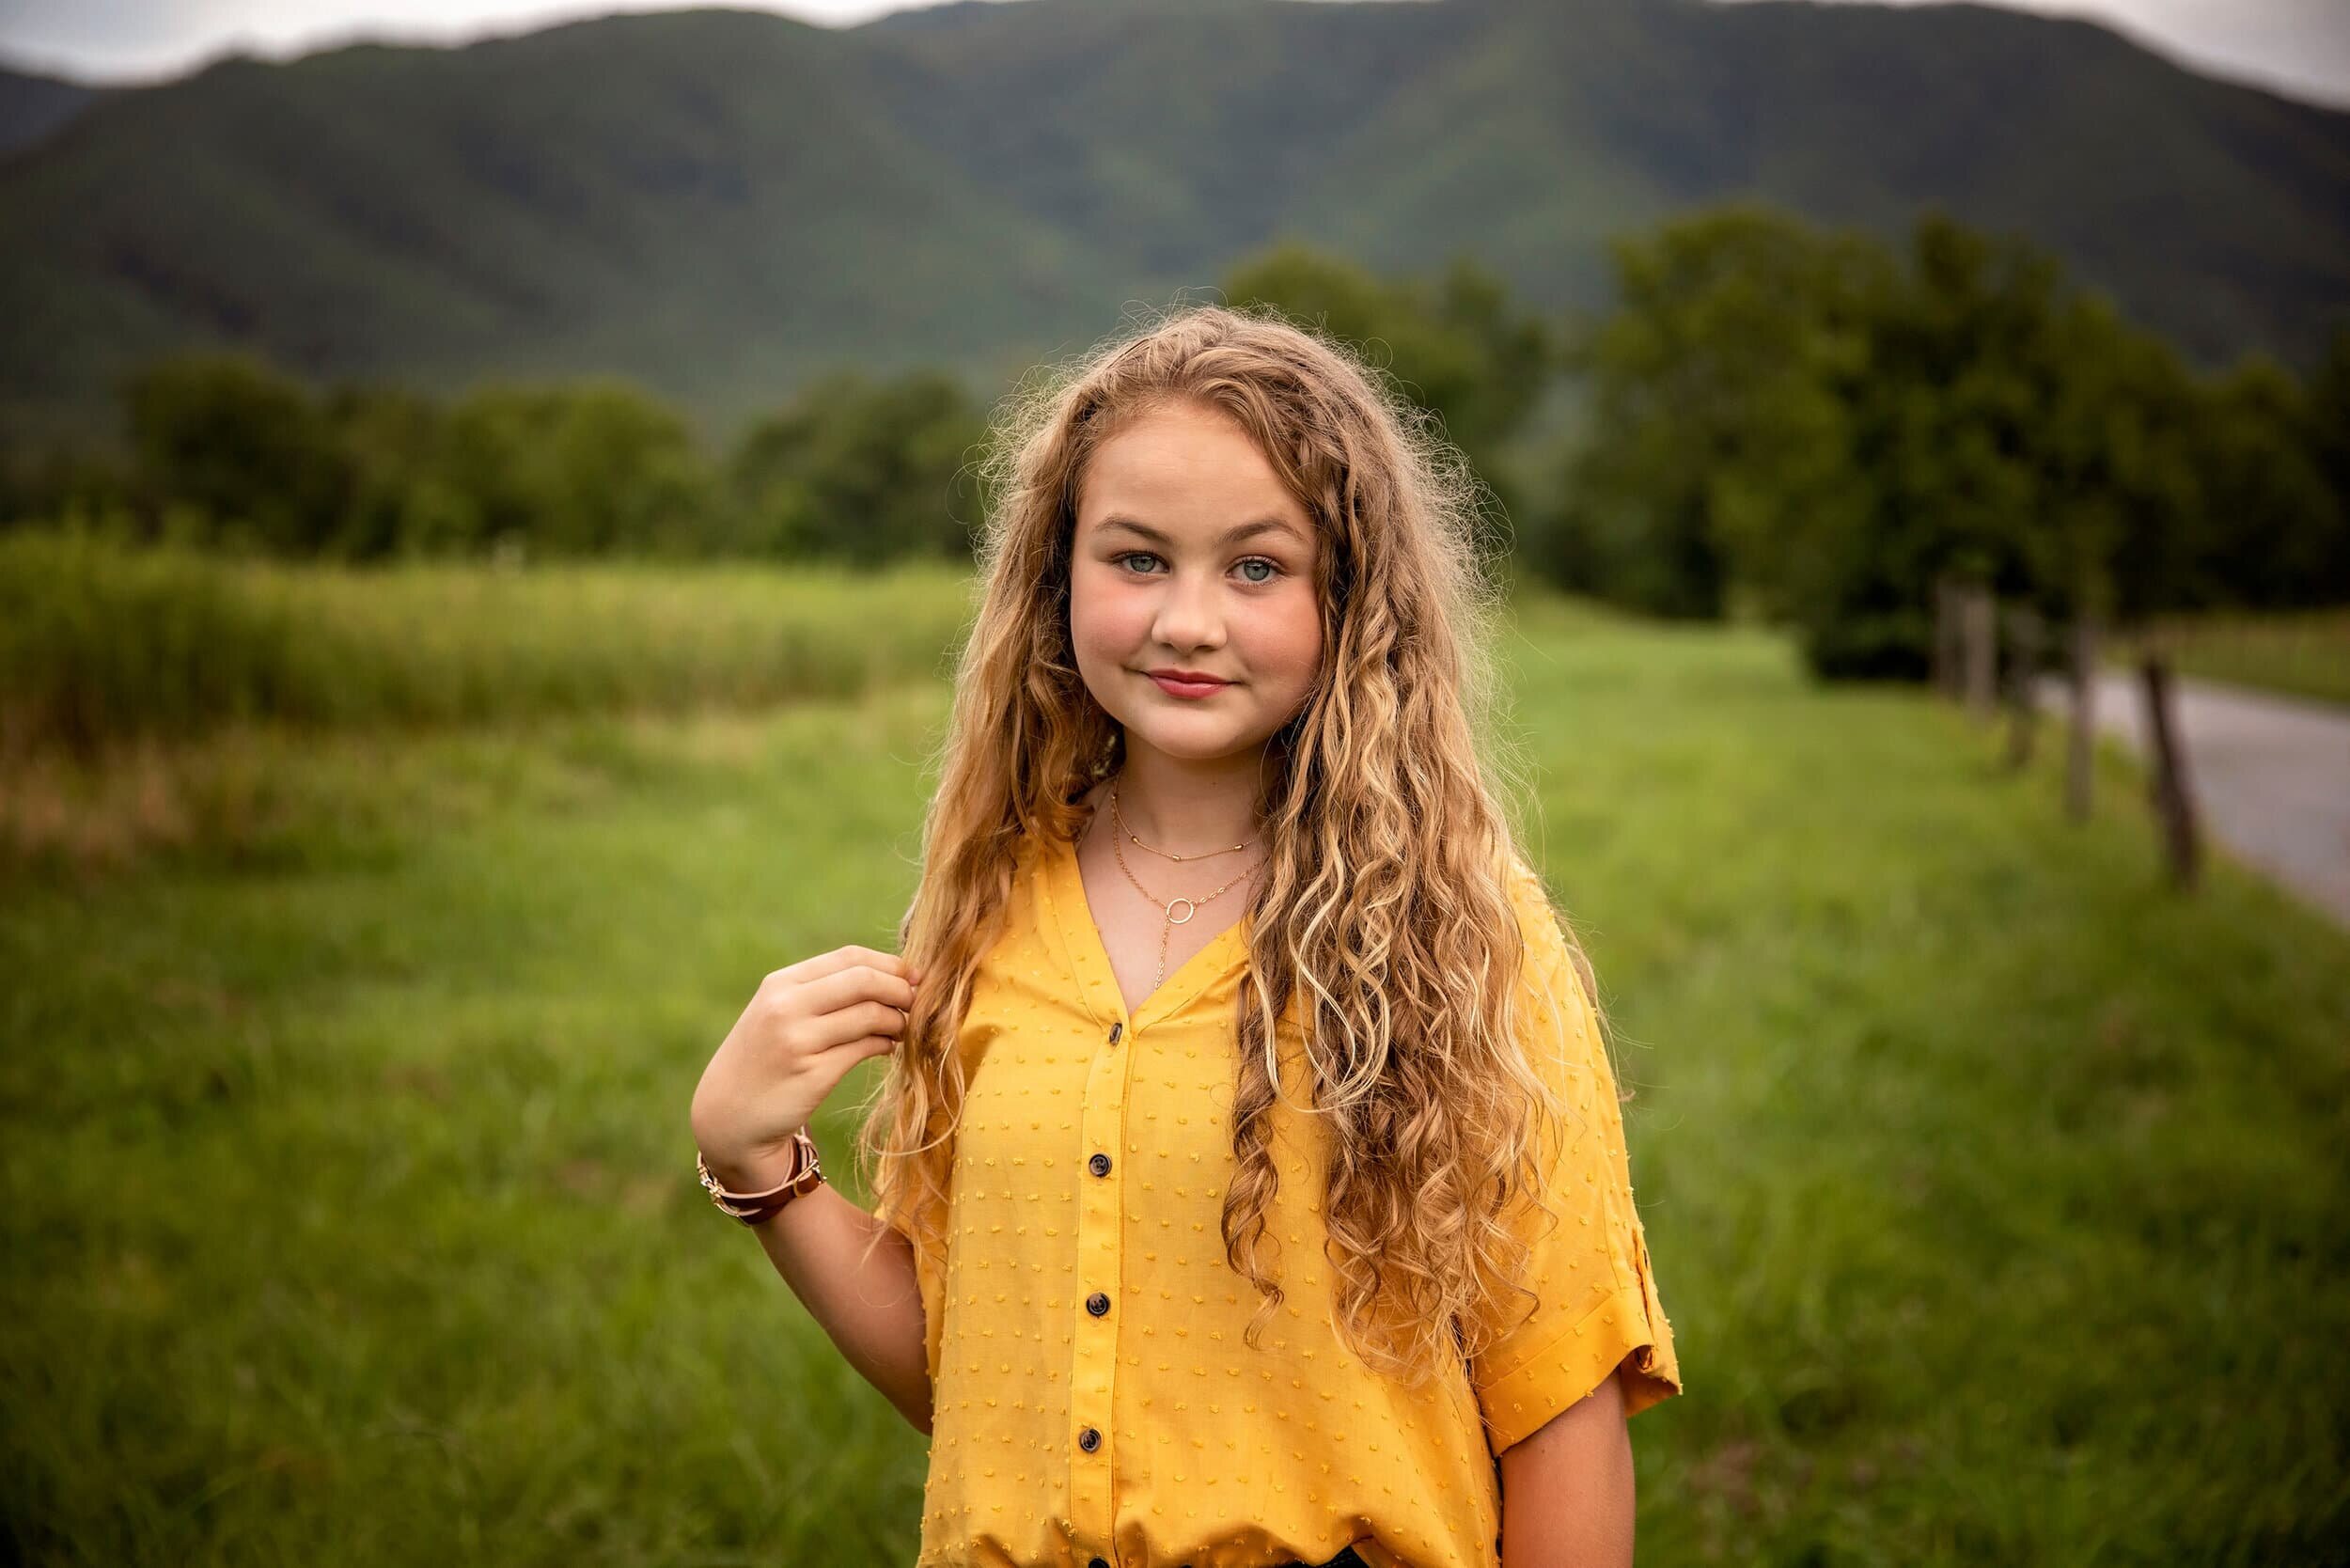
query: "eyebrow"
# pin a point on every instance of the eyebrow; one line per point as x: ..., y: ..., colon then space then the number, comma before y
x: 1229, y: 536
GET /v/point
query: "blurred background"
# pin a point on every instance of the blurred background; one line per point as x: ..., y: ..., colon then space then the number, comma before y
x: 487, y: 496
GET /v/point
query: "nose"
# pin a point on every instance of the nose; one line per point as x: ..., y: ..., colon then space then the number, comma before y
x: 1189, y: 616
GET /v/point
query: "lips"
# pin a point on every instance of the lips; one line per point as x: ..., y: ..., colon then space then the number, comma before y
x: 1176, y: 685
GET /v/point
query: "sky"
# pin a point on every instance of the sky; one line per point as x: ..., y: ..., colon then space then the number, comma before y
x: 2301, y: 47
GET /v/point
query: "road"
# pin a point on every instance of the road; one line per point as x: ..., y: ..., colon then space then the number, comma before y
x: 2272, y: 775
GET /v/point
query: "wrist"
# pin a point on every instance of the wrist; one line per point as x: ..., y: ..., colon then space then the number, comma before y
x: 754, y: 1187
x: 755, y: 1171
x: 752, y: 1166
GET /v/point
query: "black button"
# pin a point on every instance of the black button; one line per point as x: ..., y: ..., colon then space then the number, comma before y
x: 1097, y: 1303
x: 1089, y: 1439
x: 1099, y: 1164
x: 1116, y: 1029
x: 1097, y: 1562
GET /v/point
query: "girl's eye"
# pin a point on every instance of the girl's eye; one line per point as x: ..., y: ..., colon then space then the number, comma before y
x: 1272, y: 568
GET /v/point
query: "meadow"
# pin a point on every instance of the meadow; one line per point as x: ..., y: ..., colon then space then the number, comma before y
x: 102, y: 645
x: 2295, y: 653
x: 1995, y: 1193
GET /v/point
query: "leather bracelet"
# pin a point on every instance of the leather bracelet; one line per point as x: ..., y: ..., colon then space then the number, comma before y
x: 753, y: 1207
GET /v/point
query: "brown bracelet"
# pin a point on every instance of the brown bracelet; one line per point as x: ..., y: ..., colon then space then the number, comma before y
x: 752, y: 1208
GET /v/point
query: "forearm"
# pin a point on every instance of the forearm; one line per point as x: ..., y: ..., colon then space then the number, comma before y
x: 1567, y: 1494
x: 871, y: 1307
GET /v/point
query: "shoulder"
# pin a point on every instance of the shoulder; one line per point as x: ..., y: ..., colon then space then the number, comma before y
x: 1553, y: 980
x: 1537, y: 914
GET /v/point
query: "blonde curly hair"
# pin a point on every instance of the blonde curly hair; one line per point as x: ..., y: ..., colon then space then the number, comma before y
x: 1385, y: 918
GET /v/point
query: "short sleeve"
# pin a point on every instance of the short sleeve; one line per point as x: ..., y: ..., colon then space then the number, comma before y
x: 929, y: 1273
x: 1590, y: 1269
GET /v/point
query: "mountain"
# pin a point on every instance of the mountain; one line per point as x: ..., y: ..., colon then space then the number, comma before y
x: 721, y: 203
x: 31, y: 106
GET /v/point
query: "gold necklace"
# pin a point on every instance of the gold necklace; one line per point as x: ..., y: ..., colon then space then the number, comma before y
x: 1203, y: 855
x: 1191, y: 906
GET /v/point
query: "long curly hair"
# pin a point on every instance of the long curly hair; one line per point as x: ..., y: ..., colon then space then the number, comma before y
x: 1384, y: 918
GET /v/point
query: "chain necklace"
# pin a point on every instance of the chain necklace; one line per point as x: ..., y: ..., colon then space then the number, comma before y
x: 1203, y: 855
x: 1191, y: 906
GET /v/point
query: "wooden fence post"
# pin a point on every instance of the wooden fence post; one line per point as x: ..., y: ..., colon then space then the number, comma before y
x: 1979, y: 626
x: 2173, y: 796
x: 2081, y: 752
x: 1945, y: 635
x: 2024, y: 631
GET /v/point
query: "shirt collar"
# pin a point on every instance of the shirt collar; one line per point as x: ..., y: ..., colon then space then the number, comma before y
x: 1061, y: 885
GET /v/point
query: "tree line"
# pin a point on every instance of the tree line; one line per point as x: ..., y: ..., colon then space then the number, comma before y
x: 222, y: 450
x: 1808, y: 423
x: 1813, y: 424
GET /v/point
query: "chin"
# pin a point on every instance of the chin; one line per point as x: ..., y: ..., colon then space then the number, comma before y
x: 1195, y: 747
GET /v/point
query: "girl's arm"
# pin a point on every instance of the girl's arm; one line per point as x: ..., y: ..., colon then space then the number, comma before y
x: 1566, y: 1491
x: 803, y: 1030
x: 872, y: 1308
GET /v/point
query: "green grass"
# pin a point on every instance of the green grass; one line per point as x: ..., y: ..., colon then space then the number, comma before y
x: 102, y: 647
x: 2305, y: 653
x: 1995, y: 1194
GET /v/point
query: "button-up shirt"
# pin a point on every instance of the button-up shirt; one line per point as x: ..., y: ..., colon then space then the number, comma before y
x: 1093, y: 1401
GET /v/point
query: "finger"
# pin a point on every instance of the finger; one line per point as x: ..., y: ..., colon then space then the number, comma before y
x: 839, y: 959
x: 859, y: 983
x: 827, y: 1031
x: 864, y: 1048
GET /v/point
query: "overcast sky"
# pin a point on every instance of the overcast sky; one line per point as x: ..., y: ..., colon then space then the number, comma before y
x: 2299, y: 46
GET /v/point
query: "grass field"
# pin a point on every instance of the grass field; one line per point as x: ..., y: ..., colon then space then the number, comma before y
x: 104, y: 649
x: 1998, y: 1196
x: 2304, y: 653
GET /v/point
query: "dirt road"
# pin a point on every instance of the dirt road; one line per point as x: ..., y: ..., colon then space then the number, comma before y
x: 2271, y: 772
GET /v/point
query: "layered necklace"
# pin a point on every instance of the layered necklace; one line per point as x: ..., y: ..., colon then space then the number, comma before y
x: 1190, y: 906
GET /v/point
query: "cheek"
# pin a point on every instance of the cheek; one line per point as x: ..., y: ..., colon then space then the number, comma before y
x: 1288, y: 636
x: 1105, y: 622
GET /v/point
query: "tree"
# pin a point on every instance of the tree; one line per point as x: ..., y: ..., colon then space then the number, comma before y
x: 398, y: 493
x: 245, y: 446
x: 1720, y: 441
x: 588, y: 468
x: 1453, y: 344
x: 861, y: 471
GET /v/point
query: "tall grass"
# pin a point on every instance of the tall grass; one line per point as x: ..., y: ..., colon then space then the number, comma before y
x: 102, y: 644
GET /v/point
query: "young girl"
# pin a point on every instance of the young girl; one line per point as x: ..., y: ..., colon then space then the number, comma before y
x: 1251, y: 1175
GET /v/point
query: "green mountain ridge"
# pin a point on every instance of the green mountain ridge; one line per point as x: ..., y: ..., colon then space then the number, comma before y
x: 723, y: 203
x: 33, y: 105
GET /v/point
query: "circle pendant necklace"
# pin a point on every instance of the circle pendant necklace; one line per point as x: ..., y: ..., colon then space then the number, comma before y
x: 1190, y: 906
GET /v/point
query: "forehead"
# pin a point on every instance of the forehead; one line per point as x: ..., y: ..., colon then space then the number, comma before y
x: 1185, y: 471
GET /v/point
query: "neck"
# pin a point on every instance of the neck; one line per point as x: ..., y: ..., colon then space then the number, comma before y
x: 1188, y: 806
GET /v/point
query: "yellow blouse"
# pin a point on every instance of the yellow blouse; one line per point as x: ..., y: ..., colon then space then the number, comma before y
x: 1093, y: 1401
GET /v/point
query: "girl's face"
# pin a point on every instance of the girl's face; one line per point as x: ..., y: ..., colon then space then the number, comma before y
x: 1191, y: 557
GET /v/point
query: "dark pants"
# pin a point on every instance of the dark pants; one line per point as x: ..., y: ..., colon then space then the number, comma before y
x: 1346, y: 1558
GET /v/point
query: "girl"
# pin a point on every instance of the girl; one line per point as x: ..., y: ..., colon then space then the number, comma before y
x: 1250, y: 1176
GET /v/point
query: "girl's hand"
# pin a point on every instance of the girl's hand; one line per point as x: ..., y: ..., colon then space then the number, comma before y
x: 804, y: 1028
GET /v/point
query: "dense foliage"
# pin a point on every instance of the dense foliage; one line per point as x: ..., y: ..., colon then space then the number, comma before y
x: 1808, y: 420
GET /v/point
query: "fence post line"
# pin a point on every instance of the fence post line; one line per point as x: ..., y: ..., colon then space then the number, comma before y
x: 1979, y: 625
x: 1945, y: 636
x: 2168, y: 788
x: 2081, y: 750
x: 2022, y: 684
